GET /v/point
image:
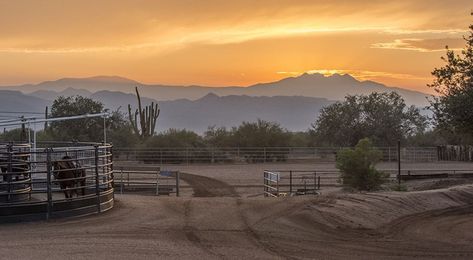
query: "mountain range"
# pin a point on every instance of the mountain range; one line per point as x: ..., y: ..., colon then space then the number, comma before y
x: 293, y: 102
x: 334, y: 87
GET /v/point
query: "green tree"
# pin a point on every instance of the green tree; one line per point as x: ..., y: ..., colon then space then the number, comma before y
x: 382, y: 117
x: 453, y: 107
x: 358, y: 166
x: 85, y: 129
x: 261, y: 134
x: 219, y: 137
x: 173, y: 138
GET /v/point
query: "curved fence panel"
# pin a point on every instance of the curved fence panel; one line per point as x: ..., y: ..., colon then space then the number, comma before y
x: 55, y: 181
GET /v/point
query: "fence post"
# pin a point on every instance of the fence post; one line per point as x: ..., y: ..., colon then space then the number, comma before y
x: 264, y: 184
x: 97, y: 184
x: 48, y: 182
x: 177, y: 183
x: 10, y: 170
x: 157, y: 182
x: 121, y: 180
x: 290, y: 181
x: 213, y: 155
x: 264, y: 155
x: 161, y: 156
x: 187, y: 156
x: 399, y: 162
x: 318, y: 182
x: 315, y: 181
x: 277, y: 184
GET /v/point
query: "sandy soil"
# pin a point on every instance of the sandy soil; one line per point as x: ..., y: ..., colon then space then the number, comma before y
x: 219, y: 222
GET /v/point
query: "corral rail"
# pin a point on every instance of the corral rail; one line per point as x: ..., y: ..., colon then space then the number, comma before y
x: 32, y: 185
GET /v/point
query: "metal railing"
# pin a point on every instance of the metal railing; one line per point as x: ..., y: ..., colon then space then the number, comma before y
x: 158, y: 181
x: 31, y: 186
x: 292, y: 182
x: 260, y: 154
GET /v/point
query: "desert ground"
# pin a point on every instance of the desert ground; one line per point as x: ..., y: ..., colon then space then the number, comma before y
x: 222, y: 215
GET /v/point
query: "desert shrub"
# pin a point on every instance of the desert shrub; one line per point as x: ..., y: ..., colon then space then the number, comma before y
x: 358, y: 166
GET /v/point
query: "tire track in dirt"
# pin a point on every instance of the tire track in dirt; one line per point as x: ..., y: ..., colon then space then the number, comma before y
x: 208, y: 187
x: 256, y: 238
x: 191, y: 232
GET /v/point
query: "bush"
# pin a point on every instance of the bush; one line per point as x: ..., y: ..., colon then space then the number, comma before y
x: 357, y: 166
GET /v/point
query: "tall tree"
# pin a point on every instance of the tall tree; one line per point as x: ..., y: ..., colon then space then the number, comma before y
x: 382, y: 117
x: 86, y: 129
x: 453, y: 107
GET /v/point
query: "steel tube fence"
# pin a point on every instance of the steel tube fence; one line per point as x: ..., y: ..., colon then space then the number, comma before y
x: 157, y: 181
x: 33, y: 186
x: 261, y: 154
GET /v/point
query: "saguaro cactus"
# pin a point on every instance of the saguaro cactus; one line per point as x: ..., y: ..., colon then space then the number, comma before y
x: 143, y: 120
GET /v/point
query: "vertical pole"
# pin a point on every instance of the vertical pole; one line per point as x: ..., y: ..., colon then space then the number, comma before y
x: 315, y: 182
x: 264, y: 184
x: 177, y: 184
x: 264, y: 155
x: 318, y: 182
x: 10, y: 170
x: 104, y: 130
x: 121, y: 180
x: 213, y: 156
x: 399, y: 162
x: 157, y: 182
x: 48, y: 182
x: 277, y: 184
x: 290, y: 181
x: 187, y: 156
x: 97, y: 184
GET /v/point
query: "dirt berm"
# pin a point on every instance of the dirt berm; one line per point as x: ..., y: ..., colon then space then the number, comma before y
x: 388, y: 225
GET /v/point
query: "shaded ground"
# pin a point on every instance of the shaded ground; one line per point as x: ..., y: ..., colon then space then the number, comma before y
x: 208, y: 187
x: 216, y: 223
x: 389, y: 225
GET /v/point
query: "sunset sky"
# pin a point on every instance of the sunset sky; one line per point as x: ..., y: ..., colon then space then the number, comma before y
x: 221, y: 43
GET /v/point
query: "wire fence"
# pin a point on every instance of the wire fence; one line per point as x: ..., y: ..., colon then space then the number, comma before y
x: 261, y: 154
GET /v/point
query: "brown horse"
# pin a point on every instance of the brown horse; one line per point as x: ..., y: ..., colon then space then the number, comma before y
x: 69, y: 175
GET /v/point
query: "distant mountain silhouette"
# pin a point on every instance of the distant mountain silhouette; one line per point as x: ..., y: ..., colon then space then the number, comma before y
x: 294, y: 113
x: 334, y: 87
x: 17, y: 103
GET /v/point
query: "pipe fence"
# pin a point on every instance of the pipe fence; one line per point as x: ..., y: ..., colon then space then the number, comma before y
x: 33, y: 186
x: 261, y: 154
